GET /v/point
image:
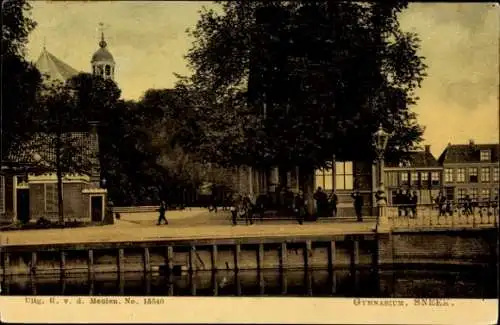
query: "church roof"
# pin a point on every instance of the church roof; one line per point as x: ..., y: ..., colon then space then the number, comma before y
x: 49, y: 65
x: 102, y: 54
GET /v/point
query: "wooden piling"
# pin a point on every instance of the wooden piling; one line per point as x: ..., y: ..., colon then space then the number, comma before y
x: 63, y: 263
x: 356, y: 251
x: 237, y: 251
x: 283, y: 256
x: 147, y: 283
x: 262, y: 283
x: 33, y: 262
x: 147, y: 261
x: 237, y: 282
x: 213, y: 257
x: 170, y: 257
x: 307, y: 251
x: 309, y: 282
x: 260, y: 257
x: 284, y: 282
x: 215, y: 284
x: 191, y: 262
x: 120, y: 260
x: 332, y: 250
x: 90, y: 261
x: 192, y: 284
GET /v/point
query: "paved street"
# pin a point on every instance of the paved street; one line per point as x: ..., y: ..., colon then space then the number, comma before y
x: 186, y: 224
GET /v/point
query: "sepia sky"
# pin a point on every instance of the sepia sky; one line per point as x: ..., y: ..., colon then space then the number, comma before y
x: 459, y: 99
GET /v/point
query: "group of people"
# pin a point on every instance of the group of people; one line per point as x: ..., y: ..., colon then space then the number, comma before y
x: 326, y: 205
x: 465, y: 206
x: 406, y: 202
x: 244, y: 206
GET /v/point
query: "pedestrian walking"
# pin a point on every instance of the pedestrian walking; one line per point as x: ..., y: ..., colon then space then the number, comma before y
x: 234, y: 210
x: 358, y: 205
x: 162, y: 210
x: 333, y: 203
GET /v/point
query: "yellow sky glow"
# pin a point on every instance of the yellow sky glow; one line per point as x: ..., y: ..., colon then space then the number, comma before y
x: 459, y: 100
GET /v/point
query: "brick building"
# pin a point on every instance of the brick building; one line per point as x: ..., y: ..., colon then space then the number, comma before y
x: 28, y: 188
x: 420, y: 172
x: 471, y: 169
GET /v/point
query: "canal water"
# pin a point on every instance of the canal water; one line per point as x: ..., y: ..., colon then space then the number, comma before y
x: 405, y: 282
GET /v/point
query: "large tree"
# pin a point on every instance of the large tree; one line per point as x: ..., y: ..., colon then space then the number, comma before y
x: 20, y: 79
x: 59, y: 142
x: 293, y: 83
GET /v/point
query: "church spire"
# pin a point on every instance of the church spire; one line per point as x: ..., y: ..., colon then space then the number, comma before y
x: 102, y: 43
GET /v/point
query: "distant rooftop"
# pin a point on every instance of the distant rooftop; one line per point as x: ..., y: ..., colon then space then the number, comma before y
x: 471, y: 152
x: 423, y: 158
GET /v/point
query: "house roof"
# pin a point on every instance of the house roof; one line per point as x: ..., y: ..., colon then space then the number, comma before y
x: 84, y: 149
x: 467, y: 153
x: 416, y: 159
x: 54, y: 68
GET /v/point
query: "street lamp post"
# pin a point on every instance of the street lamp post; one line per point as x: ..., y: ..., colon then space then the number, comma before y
x: 381, y: 138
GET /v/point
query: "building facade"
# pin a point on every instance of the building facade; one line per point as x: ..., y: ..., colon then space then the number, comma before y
x: 28, y: 189
x: 420, y: 173
x: 471, y: 169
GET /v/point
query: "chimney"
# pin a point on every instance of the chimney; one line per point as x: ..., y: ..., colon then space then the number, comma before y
x: 427, y: 148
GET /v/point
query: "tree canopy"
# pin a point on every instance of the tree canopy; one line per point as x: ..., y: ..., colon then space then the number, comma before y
x: 296, y: 82
x: 20, y: 79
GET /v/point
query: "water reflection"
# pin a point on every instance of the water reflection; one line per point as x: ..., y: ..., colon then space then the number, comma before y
x: 463, y: 283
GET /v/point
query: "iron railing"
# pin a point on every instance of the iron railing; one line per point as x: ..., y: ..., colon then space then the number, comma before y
x: 436, y: 216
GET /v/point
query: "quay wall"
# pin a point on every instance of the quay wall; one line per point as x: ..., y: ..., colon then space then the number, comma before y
x: 328, y: 252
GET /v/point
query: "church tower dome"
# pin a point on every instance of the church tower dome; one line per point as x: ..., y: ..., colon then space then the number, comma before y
x: 102, y: 61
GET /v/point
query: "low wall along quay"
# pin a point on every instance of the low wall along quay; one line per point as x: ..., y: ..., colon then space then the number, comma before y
x: 329, y: 252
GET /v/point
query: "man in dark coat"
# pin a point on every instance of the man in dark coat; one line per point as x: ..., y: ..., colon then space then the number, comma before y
x: 321, y: 202
x: 333, y: 203
x: 162, y: 210
x: 358, y: 205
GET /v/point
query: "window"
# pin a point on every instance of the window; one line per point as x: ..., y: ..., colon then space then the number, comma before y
x: 473, y: 193
x: 324, y: 178
x: 485, y: 194
x: 2, y: 194
x: 485, y: 174
x: 424, y: 178
x: 108, y: 70
x: 392, y: 178
x: 435, y: 178
x: 460, y: 175
x: 404, y: 178
x: 462, y: 192
x: 414, y: 178
x: 496, y: 174
x: 448, y: 175
x: 344, y: 179
x: 485, y: 155
x: 473, y: 175
x: 50, y: 197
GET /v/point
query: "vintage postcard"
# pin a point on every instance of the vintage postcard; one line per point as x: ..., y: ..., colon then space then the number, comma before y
x: 249, y: 162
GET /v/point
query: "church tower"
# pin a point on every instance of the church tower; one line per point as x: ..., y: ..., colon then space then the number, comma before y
x: 102, y: 61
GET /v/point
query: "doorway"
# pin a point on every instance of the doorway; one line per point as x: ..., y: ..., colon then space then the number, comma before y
x: 23, y: 205
x: 96, y: 208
